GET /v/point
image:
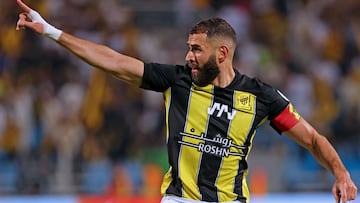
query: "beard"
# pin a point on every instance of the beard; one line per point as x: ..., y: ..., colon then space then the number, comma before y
x: 206, y: 74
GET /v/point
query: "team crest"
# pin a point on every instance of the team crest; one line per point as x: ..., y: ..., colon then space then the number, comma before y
x: 244, y: 102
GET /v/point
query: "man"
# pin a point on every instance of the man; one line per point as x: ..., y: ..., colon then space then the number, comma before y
x: 212, y: 112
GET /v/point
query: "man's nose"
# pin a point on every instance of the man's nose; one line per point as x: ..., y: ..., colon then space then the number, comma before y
x: 189, y: 56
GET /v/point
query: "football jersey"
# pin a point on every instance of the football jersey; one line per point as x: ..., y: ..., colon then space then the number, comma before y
x: 209, y: 131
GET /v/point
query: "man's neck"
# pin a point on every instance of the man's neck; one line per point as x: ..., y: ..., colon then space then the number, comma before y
x: 225, y: 77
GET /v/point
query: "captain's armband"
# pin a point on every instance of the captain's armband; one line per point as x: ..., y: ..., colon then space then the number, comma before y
x: 287, y: 119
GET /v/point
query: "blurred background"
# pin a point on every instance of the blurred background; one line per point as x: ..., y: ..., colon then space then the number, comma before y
x: 69, y: 129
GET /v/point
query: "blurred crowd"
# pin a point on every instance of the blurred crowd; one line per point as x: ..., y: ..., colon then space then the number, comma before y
x: 66, y: 127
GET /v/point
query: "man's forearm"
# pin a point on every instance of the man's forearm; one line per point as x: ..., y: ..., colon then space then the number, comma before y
x: 326, y: 155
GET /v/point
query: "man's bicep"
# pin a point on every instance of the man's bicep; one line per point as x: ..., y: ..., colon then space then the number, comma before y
x: 131, y: 71
x: 303, y: 133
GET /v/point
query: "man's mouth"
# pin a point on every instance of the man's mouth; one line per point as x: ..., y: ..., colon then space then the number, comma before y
x: 194, y: 67
x: 194, y: 70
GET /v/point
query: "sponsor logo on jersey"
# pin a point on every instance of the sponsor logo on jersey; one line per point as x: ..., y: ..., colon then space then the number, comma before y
x: 218, y: 146
x: 218, y: 110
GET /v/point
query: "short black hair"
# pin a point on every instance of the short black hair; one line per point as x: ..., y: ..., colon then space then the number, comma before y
x: 214, y: 27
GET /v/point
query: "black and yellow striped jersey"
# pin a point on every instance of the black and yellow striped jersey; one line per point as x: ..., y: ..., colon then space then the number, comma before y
x: 209, y: 131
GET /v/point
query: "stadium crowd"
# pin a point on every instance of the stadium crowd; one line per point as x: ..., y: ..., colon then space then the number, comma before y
x: 67, y: 128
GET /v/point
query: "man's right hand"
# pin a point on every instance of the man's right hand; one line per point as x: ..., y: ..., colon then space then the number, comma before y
x: 32, y: 19
x: 121, y: 66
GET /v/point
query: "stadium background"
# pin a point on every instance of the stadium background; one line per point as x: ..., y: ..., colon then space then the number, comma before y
x: 67, y: 130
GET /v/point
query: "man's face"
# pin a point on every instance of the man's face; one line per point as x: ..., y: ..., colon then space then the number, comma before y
x: 202, y: 60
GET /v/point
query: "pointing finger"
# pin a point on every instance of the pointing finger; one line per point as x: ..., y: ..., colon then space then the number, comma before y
x: 23, y: 6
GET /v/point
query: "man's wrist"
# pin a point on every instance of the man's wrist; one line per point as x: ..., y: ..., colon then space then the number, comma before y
x: 49, y: 30
x: 52, y: 32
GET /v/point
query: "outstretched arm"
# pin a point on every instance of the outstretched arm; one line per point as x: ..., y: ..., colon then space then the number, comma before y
x: 303, y: 133
x: 121, y: 66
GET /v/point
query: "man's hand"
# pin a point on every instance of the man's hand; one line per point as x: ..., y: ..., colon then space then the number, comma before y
x: 32, y: 19
x: 344, y: 189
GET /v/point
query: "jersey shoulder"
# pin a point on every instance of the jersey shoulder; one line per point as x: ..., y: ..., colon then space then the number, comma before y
x: 253, y: 85
x: 159, y: 77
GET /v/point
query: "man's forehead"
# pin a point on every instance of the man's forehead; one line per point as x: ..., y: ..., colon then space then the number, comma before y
x: 197, y: 39
x: 203, y: 40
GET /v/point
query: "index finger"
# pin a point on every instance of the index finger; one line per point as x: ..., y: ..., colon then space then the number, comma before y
x: 23, y: 6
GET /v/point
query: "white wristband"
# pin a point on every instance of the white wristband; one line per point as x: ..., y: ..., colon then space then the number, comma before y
x: 52, y: 32
x: 49, y: 30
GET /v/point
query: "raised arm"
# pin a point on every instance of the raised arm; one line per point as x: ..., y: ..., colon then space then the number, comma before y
x: 303, y: 133
x: 121, y: 66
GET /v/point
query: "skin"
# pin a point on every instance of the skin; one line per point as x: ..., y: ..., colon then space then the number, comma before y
x: 304, y: 134
x: 201, y: 51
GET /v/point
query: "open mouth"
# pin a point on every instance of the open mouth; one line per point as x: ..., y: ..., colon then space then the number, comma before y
x: 194, y: 67
x: 194, y: 70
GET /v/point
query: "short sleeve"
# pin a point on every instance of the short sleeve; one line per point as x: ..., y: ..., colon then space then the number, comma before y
x: 159, y: 77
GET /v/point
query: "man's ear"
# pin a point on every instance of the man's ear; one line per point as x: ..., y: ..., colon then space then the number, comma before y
x: 223, y: 53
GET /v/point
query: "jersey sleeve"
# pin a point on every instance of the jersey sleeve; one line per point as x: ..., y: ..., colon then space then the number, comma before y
x: 282, y: 114
x: 159, y: 77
